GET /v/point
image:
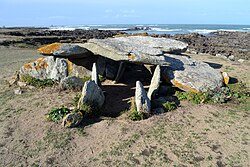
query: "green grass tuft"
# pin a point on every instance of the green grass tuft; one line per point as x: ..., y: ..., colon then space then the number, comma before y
x: 39, y: 83
x: 169, y: 106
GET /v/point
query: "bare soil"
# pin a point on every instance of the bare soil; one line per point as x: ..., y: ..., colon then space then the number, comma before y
x: 192, y: 135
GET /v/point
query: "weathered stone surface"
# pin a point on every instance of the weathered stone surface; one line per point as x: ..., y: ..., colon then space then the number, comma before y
x: 225, y: 77
x: 18, y: 91
x: 142, y: 101
x: 59, y: 70
x: 72, y: 120
x: 110, y: 71
x: 165, y: 90
x: 46, y: 68
x: 140, y: 49
x: 191, y: 75
x: 92, y: 95
x: 72, y: 82
x: 94, y: 75
x: 155, y: 82
x: 66, y: 50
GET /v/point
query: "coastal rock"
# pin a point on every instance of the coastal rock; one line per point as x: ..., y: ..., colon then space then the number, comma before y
x: 65, y: 50
x: 72, y: 82
x: 72, y: 120
x: 191, y: 75
x: 142, y: 101
x: 92, y: 95
x: 46, y: 68
x: 155, y: 82
x: 139, y: 49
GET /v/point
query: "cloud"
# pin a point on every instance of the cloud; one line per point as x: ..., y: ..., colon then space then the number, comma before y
x: 124, y: 13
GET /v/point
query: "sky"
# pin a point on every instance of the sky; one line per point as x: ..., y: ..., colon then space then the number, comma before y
x: 78, y: 12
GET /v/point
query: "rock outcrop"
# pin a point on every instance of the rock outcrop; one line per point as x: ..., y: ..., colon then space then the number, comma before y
x: 142, y: 101
x: 94, y: 75
x: 72, y: 120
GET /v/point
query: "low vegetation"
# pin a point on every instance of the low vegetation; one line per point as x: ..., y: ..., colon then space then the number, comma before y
x: 135, y: 115
x: 56, y: 114
x: 169, y: 106
x: 39, y: 83
x: 234, y: 92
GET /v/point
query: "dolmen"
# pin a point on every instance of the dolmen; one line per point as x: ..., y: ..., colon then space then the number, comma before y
x: 182, y: 71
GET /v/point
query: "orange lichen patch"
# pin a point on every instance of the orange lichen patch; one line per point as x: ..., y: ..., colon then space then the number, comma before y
x: 49, y: 49
x: 225, y: 77
x: 41, y: 64
x: 70, y: 66
x: 132, y: 57
x: 27, y: 66
x: 183, y: 87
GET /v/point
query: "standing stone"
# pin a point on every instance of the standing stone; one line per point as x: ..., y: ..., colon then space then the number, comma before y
x: 155, y: 82
x: 141, y: 99
x: 92, y: 95
x: 94, y: 75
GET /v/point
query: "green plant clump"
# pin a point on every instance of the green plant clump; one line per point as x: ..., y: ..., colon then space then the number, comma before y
x: 169, y: 106
x: 196, y: 98
x: 56, y: 114
x: 39, y: 83
x: 86, y: 109
x: 135, y: 115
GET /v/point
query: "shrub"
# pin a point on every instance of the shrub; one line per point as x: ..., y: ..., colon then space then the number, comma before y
x: 56, y: 114
x: 39, y: 83
x: 169, y: 106
x: 196, y: 98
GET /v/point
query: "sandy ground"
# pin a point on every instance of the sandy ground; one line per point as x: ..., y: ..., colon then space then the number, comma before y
x: 192, y: 135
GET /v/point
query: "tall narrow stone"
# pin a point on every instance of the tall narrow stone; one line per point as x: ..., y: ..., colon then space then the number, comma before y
x: 155, y: 82
x: 94, y: 75
x: 142, y: 101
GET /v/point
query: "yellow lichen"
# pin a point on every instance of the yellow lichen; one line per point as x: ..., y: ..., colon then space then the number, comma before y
x: 132, y: 57
x: 183, y: 87
x: 225, y: 77
x: 70, y: 66
x: 49, y: 49
x: 27, y: 66
x: 41, y: 64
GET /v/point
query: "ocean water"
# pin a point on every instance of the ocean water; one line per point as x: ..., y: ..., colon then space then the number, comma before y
x: 160, y: 28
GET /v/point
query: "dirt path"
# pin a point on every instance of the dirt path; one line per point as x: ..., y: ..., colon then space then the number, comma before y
x: 192, y: 135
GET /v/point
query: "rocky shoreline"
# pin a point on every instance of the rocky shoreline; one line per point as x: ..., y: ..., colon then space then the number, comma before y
x: 228, y: 45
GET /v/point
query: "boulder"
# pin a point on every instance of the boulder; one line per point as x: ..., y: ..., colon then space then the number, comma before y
x: 92, y: 95
x: 142, y: 101
x: 72, y: 120
x: 65, y: 50
x: 72, y: 82
x: 46, y: 68
x: 191, y: 75
x: 155, y: 82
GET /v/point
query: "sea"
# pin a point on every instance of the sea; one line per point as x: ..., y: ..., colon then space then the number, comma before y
x: 171, y: 29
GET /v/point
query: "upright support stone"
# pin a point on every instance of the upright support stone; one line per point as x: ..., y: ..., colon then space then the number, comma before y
x: 122, y: 67
x: 94, y: 75
x: 155, y: 82
x: 92, y: 95
x: 142, y: 101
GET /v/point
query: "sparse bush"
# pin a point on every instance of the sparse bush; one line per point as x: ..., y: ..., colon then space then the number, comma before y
x: 76, y: 99
x: 56, y: 114
x: 169, y: 106
x: 39, y: 83
x: 86, y: 78
x: 86, y: 109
